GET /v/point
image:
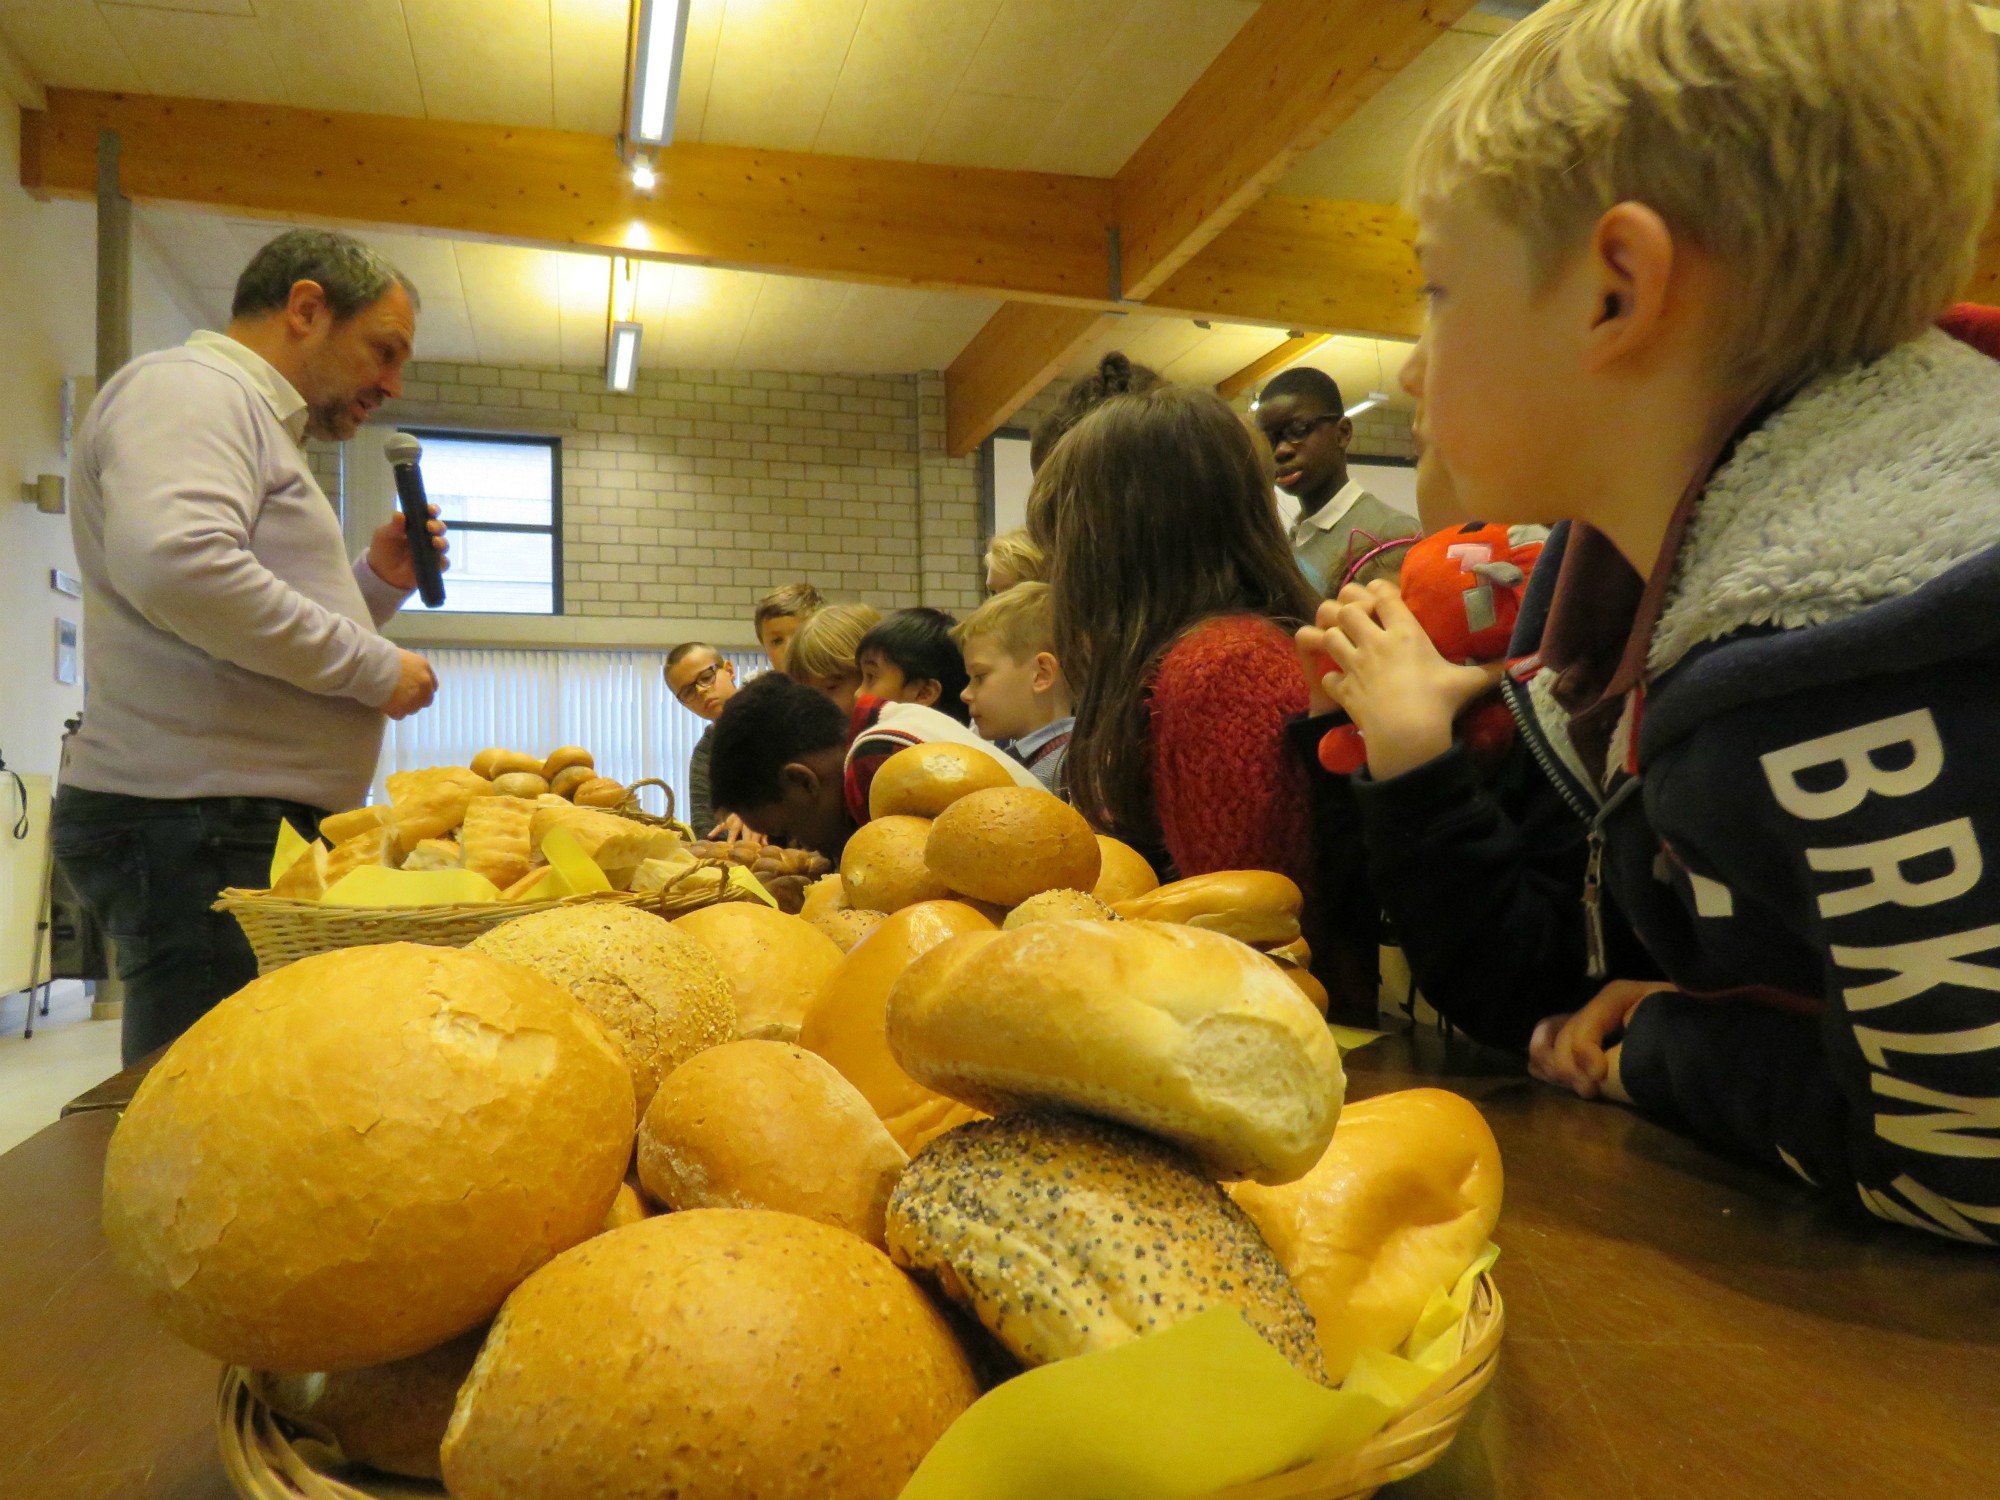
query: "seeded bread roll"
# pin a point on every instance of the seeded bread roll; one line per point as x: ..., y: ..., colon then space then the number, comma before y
x: 1009, y: 843
x: 1065, y: 1235
x: 1058, y: 906
x: 846, y: 928
x: 1185, y: 1033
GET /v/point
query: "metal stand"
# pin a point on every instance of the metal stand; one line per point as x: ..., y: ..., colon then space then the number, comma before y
x: 44, y: 919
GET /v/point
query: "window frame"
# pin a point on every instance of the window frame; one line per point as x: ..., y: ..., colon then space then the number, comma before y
x: 555, y: 527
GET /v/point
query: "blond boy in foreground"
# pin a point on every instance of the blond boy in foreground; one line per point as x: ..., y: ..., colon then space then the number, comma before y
x: 1015, y: 688
x: 1683, y: 260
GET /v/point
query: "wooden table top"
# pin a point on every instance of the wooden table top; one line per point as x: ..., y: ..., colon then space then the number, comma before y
x: 1677, y: 1327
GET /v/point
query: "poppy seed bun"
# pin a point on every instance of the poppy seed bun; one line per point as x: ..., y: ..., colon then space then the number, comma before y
x: 1065, y: 1235
x: 1404, y: 1198
x: 1258, y: 907
x: 391, y: 1417
x: 1010, y: 843
x: 924, y: 780
x: 1123, y: 872
x: 882, y: 868
x: 660, y: 993
x: 774, y: 963
x: 357, y: 1157
x: 1058, y: 906
x: 1185, y: 1033
x: 718, y: 1354
x: 766, y: 1125
x: 845, y: 1022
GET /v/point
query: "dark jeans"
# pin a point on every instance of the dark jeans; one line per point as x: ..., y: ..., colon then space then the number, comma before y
x: 150, y: 870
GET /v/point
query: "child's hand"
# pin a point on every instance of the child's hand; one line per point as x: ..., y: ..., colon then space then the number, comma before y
x: 1400, y: 693
x: 1569, y: 1051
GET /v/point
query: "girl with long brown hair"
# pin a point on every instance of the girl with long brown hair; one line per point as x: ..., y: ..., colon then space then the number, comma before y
x: 1175, y: 600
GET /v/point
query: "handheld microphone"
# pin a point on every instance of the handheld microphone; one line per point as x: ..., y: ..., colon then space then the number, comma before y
x: 402, y: 451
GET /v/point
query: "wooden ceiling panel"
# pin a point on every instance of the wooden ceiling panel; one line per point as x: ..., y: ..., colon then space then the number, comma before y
x: 905, y: 59
x: 587, y: 39
x: 988, y: 130
x: 513, y: 299
x: 488, y: 63
x: 775, y: 70
x: 1042, y: 49
x: 584, y: 291
x: 211, y: 57
x: 314, y: 42
x: 1226, y: 348
x: 68, y: 40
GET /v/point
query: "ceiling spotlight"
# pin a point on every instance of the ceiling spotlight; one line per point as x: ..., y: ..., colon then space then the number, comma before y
x: 658, y: 40
x: 644, y: 178
x: 622, y: 368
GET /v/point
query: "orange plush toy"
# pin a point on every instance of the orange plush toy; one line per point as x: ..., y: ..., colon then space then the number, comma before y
x: 1464, y: 586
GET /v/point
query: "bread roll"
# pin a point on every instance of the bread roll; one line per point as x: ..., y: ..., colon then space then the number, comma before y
x: 524, y: 784
x: 492, y: 763
x: 357, y: 1157
x: 883, y: 869
x: 378, y: 846
x: 306, y: 879
x: 769, y: 1125
x: 1403, y: 1199
x: 627, y: 1208
x: 563, y: 759
x: 497, y: 838
x: 565, y: 782
x: 824, y: 894
x: 615, y: 843
x: 845, y: 1022
x: 391, y: 1417
x: 846, y: 928
x: 1058, y: 906
x: 1311, y: 988
x: 435, y: 854
x: 1181, y: 1032
x: 775, y: 964
x: 1123, y: 872
x: 340, y: 827
x: 719, y: 1354
x: 924, y: 780
x: 1066, y: 1235
x: 429, y: 804
x: 660, y: 994
x: 599, y: 791
x: 1011, y: 843
x: 1257, y: 907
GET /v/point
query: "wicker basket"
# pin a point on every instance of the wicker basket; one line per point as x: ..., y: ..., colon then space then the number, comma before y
x: 630, y: 808
x: 282, y: 931
x: 266, y: 1462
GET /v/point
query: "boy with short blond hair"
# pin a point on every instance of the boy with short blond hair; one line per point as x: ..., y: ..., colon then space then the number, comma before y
x: 778, y: 615
x: 1683, y: 257
x: 1016, y: 691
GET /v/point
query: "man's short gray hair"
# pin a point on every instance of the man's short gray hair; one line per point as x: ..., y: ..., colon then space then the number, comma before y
x: 351, y: 275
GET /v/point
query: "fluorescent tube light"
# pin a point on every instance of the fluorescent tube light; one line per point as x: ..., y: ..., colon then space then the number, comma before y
x: 622, y: 368
x: 656, y: 71
x: 1374, y: 398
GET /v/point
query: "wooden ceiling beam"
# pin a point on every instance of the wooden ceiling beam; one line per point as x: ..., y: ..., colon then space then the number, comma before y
x: 1021, y: 349
x: 1293, y: 349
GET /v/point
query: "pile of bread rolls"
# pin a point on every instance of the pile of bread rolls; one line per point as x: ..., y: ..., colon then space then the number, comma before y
x: 749, y: 1203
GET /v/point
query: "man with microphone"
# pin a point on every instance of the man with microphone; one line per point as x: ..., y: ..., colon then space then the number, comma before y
x: 236, y: 670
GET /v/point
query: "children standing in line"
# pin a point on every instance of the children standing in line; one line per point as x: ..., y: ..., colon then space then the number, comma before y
x: 1016, y: 689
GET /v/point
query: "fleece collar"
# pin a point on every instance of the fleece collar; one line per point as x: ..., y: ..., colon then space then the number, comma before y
x: 1867, y: 485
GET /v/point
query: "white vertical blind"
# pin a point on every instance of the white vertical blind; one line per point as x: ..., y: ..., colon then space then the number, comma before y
x: 614, y: 703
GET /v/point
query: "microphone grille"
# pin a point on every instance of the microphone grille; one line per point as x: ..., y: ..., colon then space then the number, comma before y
x: 401, y: 448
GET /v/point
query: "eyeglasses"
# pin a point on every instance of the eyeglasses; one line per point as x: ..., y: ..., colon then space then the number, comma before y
x: 698, y: 683
x: 1298, y: 429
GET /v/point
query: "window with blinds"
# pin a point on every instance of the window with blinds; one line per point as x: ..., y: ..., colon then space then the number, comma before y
x: 614, y: 703
x: 502, y: 498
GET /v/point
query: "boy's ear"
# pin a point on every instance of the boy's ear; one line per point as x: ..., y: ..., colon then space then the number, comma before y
x: 925, y: 690
x: 800, y: 777
x: 1632, y: 259
x: 1048, y: 671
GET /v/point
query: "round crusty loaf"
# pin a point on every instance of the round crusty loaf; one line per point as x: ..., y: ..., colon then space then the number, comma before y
x: 357, y: 1157
x: 1010, y: 843
x: 845, y: 928
x: 717, y: 1354
x: 1058, y: 906
x: 766, y: 1125
x: 1403, y: 1199
x: 659, y: 992
x: 1065, y: 1235
x: 1123, y: 872
x: 882, y: 868
x: 1185, y: 1033
x: 391, y: 1417
x: 845, y: 1022
x: 1258, y: 907
x: 774, y: 963
x: 924, y: 780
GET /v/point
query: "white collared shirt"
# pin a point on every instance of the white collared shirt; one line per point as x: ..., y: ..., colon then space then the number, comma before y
x: 1330, y: 514
x: 286, y: 404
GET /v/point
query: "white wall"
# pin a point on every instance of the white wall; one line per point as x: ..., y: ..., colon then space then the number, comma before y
x: 47, y: 331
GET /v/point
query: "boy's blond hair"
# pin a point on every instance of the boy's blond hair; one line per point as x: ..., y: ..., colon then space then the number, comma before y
x: 1022, y: 619
x: 1836, y: 157
x: 787, y: 599
x: 1015, y: 554
x: 824, y: 646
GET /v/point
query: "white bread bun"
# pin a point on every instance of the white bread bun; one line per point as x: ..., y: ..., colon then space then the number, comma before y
x: 1058, y: 906
x: 1258, y: 907
x: 1066, y: 1235
x: 1123, y: 872
x: 845, y: 928
x: 924, y: 780
x: 768, y: 1125
x: 338, y: 828
x: 882, y: 868
x: 494, y: 763
x: 717, y: 1354
x: 775, y: 963
x: 1403, y: 1199
x: 357, y: 1157
x: 1311, y: 988
x: 845, y: 1023
x: 391, y: 1417
x: 660, y: 993
x: 1181, y: 1032
x: 1010, y: 843
x: 561, y: 760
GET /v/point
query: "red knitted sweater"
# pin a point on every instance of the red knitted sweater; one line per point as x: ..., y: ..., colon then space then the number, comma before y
x: 1229, y: 794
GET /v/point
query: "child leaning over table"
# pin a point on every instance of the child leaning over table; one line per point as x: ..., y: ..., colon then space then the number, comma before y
x: 1014, y: 684
x: 1683, y: 257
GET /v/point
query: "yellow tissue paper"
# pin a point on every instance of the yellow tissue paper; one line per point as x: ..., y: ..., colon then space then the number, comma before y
x: 291, y: 845
x: 743, y: 880
x: 1347, y: 1038
x: 371, y: 885
x: 576, y: 871
x: 1181, y: 1414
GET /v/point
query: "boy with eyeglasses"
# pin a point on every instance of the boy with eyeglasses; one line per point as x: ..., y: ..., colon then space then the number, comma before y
x: 701, y: 682
x: 1343, y: 534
